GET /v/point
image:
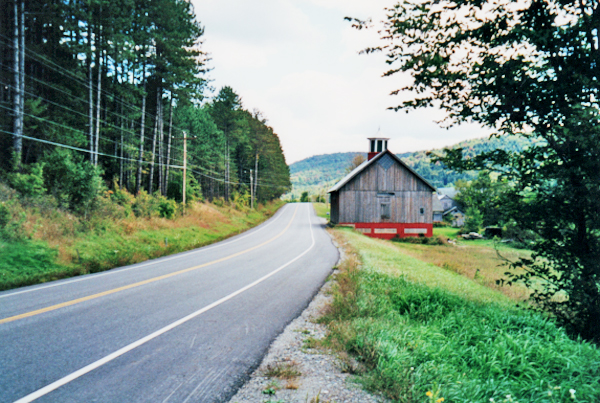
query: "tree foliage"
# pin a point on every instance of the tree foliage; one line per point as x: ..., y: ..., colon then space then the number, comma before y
x: 120, y: 83
x: 487, y: 195
x: 529, y: 69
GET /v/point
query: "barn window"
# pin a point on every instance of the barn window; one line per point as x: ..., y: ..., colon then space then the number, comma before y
x: 385, y: 211
x: 422, y: 210
x: 379, y: 145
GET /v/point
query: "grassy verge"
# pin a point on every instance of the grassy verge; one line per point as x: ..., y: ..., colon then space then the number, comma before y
x: 448, y: 232
x: 425, y: 334
x: 480, y: 261
x: 59, y: 248
x: 322, y: 210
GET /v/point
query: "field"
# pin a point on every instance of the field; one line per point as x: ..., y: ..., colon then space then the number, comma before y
x: 322, y: 210
x: 59, y: 245
x: 422, y: 333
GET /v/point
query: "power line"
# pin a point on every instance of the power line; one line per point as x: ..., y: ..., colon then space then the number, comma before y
x: 124, y: 158
x: 82, y: 149
x: 118, y: 99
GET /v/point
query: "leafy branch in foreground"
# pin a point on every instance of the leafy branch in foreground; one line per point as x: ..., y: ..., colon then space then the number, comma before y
x: 522, y: 69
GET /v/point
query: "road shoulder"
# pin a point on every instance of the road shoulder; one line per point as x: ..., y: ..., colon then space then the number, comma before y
x: 318, y: 374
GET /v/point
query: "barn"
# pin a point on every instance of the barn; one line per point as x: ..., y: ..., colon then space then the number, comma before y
x: 383, y: 197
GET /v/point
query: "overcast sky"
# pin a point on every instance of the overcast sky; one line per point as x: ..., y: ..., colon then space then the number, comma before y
x: 297, y: 62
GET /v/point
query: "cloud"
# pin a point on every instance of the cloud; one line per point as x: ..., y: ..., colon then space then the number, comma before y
x: 230, y: 54
x: 264, y: 22
x: 297, y: 62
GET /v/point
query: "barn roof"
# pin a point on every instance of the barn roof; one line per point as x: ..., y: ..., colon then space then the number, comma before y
x: 436, y: 204
x: 368, y: 163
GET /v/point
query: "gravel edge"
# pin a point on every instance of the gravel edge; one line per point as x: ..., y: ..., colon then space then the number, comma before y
x: 321, y: 378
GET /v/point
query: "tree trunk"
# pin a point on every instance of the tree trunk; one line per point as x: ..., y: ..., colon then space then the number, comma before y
x: 161, y: 171
x: 226, y: 181
x: 169, y: 144
x: 17, y: 122
x: 98, y: 100
x: 255, y: 174
x: 90, y: 92
x: 22, y: 75
x: 154, y: 133
x: 138, y: 184
x: 122, y: 120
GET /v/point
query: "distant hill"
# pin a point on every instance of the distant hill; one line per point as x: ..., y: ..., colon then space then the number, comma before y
x: 318, y: 173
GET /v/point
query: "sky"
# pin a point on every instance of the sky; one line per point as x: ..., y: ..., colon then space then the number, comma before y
x: 297, y: 62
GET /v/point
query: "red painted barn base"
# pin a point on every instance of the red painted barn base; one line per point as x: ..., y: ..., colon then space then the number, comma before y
x: 392, y: 230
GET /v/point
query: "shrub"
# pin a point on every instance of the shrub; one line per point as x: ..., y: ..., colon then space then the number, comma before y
x: 29, y: 184
x: 74, y: 183
x: 145, y: 205
x: 439, y: 240
x: 192, y: 188
x: 167, y: 207
x: 121, y: 196
x: 473, y: 220
x: 241, y: 201
x: 5, y: 215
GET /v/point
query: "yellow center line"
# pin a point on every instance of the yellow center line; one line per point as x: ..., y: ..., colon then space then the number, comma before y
x: 151, y: 280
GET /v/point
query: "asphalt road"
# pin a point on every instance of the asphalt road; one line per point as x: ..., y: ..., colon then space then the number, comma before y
x: 184, y: 328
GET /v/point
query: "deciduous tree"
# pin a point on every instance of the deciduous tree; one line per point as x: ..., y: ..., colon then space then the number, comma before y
x: 526, y: 68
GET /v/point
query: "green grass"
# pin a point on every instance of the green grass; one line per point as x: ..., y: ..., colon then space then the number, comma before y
x: 27, y: 262
x: 448, y: 232
x: 387, y: 257
x: 417, y: 328
x: 322, y: 210
x: 112, y: 244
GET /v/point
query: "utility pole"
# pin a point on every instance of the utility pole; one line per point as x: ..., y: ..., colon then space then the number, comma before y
x: 184, y: 167
x: 185, y: 138
x: 251, y: 192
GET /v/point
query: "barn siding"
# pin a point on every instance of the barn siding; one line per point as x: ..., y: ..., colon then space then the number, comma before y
x: 364, y: 206
x: 357, y: 201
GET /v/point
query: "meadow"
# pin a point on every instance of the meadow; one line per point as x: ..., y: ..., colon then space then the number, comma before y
x: 419, y: 332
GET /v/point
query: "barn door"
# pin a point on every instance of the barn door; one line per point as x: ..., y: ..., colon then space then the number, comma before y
x: 384, y: 205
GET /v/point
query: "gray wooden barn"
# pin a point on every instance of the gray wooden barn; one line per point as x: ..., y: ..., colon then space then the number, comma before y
x: 383, y: 197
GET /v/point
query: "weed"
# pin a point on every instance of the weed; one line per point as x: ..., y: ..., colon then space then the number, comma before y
x: 269, y: 391
x: 292, y: 384
x: 282, y: 370
x: 310, y: 343
x: 317, y: 399
x: 438, y: 240
x: 271, y: 388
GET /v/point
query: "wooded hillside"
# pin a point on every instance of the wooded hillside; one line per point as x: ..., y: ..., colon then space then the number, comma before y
x: 318, y: 173
x: 115, y: 86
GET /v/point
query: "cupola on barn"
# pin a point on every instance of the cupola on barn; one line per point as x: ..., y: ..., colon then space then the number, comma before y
x: 383, y: 197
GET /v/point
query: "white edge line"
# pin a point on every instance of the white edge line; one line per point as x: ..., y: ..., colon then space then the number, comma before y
x: 144, y: 264
x: 63, y: 381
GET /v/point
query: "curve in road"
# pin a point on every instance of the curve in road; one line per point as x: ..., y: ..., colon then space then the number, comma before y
x: 184, y: 328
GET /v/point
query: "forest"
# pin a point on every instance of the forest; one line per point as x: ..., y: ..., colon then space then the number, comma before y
x: 118, y: 89
x: 318, y: 173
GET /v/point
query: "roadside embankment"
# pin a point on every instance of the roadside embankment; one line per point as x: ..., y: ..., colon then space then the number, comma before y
x: 409, y: 330
x: 40, y: 243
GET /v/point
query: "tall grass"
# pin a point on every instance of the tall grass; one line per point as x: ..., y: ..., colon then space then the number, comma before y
x: 423, y: 334
x: 58, y: 244
x: 481, y: 261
